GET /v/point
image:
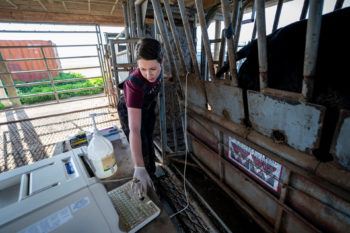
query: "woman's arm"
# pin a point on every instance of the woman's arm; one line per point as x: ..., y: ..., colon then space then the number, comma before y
x: 134, y: 118
x: 140, y: 172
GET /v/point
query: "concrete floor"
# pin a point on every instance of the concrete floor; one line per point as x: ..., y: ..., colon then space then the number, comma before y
x: 28, y: 135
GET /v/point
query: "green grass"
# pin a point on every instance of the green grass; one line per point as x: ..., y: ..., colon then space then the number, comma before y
x: 2, y: 106
x: 46, y: 88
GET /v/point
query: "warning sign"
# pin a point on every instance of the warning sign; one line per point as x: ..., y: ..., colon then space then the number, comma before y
x: 258, y: 165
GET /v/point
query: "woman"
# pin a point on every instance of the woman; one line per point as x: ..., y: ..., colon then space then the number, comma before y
x: 136, y: 109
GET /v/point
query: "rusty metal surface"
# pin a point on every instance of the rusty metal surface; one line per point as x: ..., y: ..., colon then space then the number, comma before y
x: 333, y: 211
x: 321, y: 214
x: 195, y: 92
x: 334, y: 174
x: 292, y: 225
x: 27, y: 141
x: 225, y: 101
x: 233, y: 177
x: 203, y: 131
x: 299, y: 123
x: 285, y: 153
x: 341, y: 147
x: 251, y: 193
x: 247, y: 208
x: 206, y: 156
x: 329, y: 172
x: 220, y: 122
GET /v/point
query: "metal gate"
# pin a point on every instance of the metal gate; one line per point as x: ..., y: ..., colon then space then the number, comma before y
x: 27, y: 64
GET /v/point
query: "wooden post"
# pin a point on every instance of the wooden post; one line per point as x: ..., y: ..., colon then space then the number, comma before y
x: 52, y: 82
x: 7, y: 80
x: 3, y: 95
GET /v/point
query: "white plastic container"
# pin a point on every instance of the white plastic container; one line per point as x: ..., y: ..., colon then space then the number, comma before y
x: 101, y: 154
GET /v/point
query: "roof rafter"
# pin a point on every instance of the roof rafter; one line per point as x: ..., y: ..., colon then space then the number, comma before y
x: 41, y: 4
x: 12, y: 4
x: 64, y: 6
x: 113, y: 8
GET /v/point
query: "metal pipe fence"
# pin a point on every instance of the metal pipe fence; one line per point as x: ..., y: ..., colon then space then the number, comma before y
x: 50, y: 80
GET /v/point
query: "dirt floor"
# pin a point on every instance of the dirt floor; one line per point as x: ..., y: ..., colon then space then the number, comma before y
x: 30, y: 134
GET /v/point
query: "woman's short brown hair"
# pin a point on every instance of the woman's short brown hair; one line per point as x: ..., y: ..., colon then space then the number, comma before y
x: 149, y: 49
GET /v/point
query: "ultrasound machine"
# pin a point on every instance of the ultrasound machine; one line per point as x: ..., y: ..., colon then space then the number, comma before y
x: 58, y: 194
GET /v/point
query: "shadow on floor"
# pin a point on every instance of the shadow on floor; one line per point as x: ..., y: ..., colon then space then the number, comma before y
x: 26, y: 141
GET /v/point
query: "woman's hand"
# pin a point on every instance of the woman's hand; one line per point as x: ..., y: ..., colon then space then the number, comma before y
x: 141, y: 181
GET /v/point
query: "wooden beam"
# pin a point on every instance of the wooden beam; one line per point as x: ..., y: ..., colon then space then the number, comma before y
x: 8, y: 81
x: 113, y: 8
x: 41, y: 4
x: 12, y: 4
x: 64, y: 6
x: 67, y: 18
x: 207, y: 4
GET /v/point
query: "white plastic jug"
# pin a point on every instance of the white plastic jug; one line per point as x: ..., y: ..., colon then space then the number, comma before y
x: 101, y: 154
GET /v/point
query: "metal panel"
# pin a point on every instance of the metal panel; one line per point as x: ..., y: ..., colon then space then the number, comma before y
x: 293, y: 225
x: 341, y: 146
x: 207, y: 157
x: 203, y: 131
x: 321, y: 206
x: 322, y: 215
x: 234, y: 178
x: 250, y: 192
x: 300, y: 123
x: 195, y: 91
x: 226, y: 101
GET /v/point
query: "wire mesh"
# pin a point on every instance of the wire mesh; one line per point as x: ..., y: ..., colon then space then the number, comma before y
x: 27, y: 141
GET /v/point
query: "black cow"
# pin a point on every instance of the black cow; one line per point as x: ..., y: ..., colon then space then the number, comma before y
x: 285, y: 49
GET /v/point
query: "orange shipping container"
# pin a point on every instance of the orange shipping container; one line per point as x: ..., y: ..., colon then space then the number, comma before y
x: 27, y: 52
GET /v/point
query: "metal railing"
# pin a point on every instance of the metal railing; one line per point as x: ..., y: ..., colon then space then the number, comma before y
x: 49, y: 70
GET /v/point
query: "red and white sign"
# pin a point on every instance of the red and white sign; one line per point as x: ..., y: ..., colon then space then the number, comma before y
x: 258, y: 165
